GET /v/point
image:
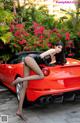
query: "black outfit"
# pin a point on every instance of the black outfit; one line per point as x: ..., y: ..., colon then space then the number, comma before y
x: 46, y: 60
x: 60, y: 58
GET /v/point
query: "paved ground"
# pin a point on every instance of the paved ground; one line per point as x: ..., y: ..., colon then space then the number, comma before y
x: 54, y: 113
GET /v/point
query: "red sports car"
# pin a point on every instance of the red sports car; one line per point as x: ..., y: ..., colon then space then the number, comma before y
x: 59, y: 80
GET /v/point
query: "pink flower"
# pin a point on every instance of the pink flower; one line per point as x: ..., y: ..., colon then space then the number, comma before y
x: 22, y: 42
x: 19, y: 26
x: 39, y: 30
x: 35, y: 24
x: 49, y: 44
x: 41, y: 36
x: 70, y: 43
x: 17, y: 34
x: 25, y: 33
x: 12, y: 28
x: 67, y: 36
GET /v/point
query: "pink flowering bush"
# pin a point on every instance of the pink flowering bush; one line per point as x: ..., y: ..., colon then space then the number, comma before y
x: 24, y: 41
x: 40, y: 38
x: 19, y: 38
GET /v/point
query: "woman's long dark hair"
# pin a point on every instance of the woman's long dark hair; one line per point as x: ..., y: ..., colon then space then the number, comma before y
x: 60, y: 57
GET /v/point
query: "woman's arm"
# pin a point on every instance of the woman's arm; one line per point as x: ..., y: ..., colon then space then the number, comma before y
x: 48, y: 52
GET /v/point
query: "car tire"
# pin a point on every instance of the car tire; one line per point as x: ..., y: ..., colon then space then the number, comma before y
x: 18, y: 90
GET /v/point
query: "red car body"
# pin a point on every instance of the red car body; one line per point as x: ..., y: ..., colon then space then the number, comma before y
x: 61, y: 79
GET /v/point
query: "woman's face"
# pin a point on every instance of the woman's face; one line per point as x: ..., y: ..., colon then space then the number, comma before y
x: 58, y: 48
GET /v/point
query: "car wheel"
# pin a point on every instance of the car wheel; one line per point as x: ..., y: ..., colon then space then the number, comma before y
x: 18, y: 90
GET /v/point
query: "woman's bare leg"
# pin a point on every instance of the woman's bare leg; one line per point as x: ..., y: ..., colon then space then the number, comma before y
x: 31, y: 63
x: 22, y: 93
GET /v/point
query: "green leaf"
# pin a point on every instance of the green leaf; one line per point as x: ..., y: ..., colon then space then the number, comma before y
x: 6, y: 16
x: 6, y: 37
x: 3, y: 28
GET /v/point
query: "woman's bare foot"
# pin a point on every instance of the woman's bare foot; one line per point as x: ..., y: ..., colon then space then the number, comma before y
x: 20, y: 115
x: 18, y: 80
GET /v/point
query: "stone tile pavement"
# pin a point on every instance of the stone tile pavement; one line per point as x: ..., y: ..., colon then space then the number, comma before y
x: 68, y: 112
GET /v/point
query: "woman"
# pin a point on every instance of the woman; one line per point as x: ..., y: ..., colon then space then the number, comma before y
x: 32, y: 61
